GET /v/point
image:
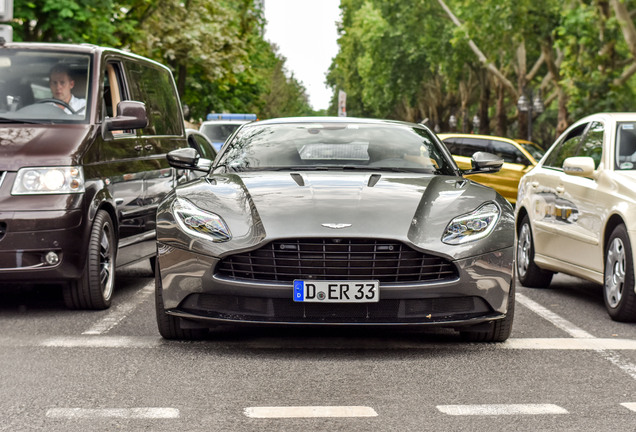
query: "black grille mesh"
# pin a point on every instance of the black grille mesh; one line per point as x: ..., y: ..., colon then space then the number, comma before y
x: 337, y: 259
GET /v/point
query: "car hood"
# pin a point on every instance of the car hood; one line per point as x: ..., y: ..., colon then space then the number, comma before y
x: 40, y: 145
x: 412, y: 208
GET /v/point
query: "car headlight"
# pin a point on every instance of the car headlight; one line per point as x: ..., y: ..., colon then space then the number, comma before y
x: 472, y: 226
x: 200, y: 223
x: 48, y: 180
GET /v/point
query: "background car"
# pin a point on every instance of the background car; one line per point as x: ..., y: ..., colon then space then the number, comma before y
x: 334, y: 221
x: 218, y: 127
x: 535, y: 150
x: 517, y: 160
x: 575, y: 211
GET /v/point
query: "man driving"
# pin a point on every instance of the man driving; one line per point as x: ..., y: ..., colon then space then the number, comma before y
x: 61, y: 84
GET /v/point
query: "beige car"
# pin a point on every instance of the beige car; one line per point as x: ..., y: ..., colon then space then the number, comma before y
x: 572, y: 212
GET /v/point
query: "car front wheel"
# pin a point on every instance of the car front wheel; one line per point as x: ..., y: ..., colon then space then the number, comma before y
x: 618, y: 287
x: 529, y: 274
x: 94, y: 289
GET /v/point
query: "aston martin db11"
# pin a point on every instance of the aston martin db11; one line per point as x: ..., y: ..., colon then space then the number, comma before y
x: 334, y: 221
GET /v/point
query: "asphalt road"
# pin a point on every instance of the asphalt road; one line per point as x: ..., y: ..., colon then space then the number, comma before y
x: 567, y: 367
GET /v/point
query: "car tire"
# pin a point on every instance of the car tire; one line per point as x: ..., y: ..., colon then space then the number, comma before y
x: 529, y: 274
x: 170, y: 326
x: 94, y: 289
x: 618, y: 285
x: 499, y: 330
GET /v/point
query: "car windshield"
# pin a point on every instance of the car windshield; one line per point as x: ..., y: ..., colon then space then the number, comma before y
x: 334, y: 145
x: 43, y: 86
x: 219, y: 132
x: 535, y: 151
x: 626, y: 146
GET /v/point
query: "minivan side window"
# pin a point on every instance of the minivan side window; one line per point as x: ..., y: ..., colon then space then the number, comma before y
x: 154, y: 86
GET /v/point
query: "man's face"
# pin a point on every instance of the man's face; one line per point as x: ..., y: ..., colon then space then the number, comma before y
x: 61, y: 85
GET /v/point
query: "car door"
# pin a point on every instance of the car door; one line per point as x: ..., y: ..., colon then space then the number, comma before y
x: 554, y: 212
x: 582, y: 235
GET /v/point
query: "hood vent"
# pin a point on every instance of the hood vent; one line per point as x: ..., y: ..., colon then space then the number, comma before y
x: 298, y: 179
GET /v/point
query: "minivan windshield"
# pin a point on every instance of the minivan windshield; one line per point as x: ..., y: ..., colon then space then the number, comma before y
x: 43, y: 86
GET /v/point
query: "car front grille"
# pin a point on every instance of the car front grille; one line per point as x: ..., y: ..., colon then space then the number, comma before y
x: 337, y: 259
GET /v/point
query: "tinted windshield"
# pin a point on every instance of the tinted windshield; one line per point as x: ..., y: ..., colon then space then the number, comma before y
x: 218, y: 132
x: 43, y: 86
x: 298, y: 146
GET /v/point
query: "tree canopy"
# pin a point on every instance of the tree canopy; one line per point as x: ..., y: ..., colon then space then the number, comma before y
x: 216, y: 50
x: 440, y: 58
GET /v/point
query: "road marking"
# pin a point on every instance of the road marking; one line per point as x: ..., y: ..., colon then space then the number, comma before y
x: 309, y: 411
x: 630, y: 406
x: 127, y: 413
x: 555, y: 319
x: 578, y: 333
x: 511, y: 409
x: 117, y: 314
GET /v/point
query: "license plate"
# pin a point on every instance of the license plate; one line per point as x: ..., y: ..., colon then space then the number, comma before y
x: 337, y: 292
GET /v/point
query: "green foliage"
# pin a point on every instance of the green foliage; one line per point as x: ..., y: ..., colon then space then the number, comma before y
x: 216, y: 50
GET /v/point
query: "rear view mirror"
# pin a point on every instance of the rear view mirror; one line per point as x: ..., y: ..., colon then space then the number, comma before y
x: 188, y: 158
x: 580, y: 166
x: 130, y: 115
x: 483, y: 162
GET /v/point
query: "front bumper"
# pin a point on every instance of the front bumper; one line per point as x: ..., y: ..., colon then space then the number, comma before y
x: 29, y: 235
x: 191, y: 290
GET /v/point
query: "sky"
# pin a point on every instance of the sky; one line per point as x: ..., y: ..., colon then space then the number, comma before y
x: 306, y: 35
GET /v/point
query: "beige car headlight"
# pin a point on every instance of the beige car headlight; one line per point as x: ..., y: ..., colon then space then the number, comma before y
x: 472, y: 226
x: 48, y: 180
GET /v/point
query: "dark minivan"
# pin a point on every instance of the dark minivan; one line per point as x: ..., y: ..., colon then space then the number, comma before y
x: 82, y: 172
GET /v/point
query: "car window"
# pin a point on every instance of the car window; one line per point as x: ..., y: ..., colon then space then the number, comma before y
x: 45, y: 86
x: 333, y: 146
x: 219, y: 132
x: 626, y: 146
x: 465, y: 146
x: 592, y: 143
x: 204, y: 147
x: 508, y: 152
x: 565, y: 148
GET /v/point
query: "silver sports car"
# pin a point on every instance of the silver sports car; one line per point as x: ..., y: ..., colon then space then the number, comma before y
x: 334, y: 221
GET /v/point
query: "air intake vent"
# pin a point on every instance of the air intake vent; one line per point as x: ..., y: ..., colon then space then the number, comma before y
x: 337, y: 259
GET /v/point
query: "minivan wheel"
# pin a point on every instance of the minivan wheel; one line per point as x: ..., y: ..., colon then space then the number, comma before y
x: 94, y: 289
x: 530, y: 275
x: 170, y: 326
x: 618, y: 286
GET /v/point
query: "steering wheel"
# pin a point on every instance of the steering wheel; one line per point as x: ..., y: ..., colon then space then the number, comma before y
x: 58, y: 102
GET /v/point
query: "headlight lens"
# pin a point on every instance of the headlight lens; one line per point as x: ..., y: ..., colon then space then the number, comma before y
x: 200, y: 223
x: 473, y: 226
x: 48, y: 180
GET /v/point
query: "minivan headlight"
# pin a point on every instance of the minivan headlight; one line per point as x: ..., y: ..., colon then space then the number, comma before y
x: 472, y: 226
x: 48, y: 180
x: 200, y: 223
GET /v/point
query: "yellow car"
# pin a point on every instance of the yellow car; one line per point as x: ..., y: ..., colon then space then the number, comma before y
x: 517, y: 160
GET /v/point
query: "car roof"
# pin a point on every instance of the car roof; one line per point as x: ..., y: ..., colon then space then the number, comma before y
x: 336, y: 120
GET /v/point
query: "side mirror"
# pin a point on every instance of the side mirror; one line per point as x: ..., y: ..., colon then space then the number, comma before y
x: 188, y: 158
x: 580, y: 166
x: 130, y: 115
x: 483, y: 162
